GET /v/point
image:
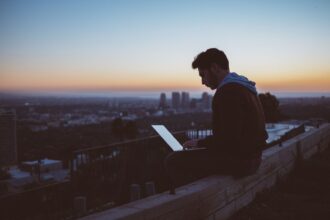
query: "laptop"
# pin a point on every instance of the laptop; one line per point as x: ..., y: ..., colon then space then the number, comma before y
x: 168, y: 137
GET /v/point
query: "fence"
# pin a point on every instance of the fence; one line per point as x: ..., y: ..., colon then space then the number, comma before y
x: 104, y: 174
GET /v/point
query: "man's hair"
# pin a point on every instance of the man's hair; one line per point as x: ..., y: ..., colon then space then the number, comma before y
x: 205, y: 59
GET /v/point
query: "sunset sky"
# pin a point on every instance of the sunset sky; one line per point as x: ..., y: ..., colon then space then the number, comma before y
x: 140, y: 45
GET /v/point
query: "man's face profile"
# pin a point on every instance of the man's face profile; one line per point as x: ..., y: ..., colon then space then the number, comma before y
x: 209, y: 78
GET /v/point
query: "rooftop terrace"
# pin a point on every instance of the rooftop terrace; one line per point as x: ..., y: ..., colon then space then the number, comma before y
x: 219, y: 197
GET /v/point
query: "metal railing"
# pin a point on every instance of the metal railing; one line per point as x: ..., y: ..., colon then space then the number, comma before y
x: 104, y: 174
x: 101, y: 174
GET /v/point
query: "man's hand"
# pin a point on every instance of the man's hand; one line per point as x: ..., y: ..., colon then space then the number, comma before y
x: 191, y: 144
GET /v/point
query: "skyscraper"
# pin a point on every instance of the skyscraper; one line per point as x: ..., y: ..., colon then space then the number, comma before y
x: 8, y: 148
x: 206, y: 100
x: 185, y: 100
x: 162, y: 101
x: 176, y: 101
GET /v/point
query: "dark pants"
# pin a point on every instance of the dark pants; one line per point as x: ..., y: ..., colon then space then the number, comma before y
x: 186, y: 166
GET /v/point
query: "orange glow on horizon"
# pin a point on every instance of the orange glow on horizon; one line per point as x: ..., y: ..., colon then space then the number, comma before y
x: 292, y: 82
x: 156, y: 82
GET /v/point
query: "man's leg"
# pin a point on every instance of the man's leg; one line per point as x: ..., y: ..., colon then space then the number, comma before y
x: 189, y: 165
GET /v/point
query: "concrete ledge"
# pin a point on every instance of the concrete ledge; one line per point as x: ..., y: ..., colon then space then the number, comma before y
x: 218, y: 197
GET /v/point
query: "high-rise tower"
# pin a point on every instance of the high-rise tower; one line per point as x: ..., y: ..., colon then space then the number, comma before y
x: 185, y: 100
x: 176, y: 101
x: 162, y: 101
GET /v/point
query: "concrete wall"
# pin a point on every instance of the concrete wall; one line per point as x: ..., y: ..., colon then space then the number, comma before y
x: 218, y: 197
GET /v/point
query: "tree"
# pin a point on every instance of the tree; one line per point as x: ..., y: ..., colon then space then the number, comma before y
x: 270, y: 105
x: 130, y: 129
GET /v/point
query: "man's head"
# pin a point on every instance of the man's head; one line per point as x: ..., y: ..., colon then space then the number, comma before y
x: 212, y: 66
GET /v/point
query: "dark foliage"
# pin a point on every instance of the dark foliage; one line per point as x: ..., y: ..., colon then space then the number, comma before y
x: 270, y: 105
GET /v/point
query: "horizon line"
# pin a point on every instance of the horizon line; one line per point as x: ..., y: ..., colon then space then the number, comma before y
x: 152, y: 94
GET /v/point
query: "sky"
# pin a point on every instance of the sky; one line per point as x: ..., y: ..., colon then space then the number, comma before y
x: 141, y: 46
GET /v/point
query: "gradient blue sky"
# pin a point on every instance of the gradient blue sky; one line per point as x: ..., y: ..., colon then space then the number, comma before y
x: 149, y: 45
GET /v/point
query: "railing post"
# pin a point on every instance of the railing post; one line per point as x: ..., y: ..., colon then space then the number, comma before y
x: 150, y: 188
x: 135, y: 192
x: 80, y: 205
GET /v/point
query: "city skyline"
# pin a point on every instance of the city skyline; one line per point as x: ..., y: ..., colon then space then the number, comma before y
x: 138, y: 47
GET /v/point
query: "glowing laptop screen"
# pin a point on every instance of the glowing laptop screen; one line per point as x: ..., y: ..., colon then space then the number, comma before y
x: 168, y: 137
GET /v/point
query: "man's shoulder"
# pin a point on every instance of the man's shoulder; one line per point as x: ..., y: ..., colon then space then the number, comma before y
x: 232, y: 89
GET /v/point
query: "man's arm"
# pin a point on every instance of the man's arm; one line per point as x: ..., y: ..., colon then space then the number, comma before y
x: 191, y: 143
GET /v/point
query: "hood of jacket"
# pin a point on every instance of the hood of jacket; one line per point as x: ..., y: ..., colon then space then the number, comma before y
x: 239, y: 79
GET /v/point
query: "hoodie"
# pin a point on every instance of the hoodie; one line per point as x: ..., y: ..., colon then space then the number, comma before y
x: 239, y: 79
x: 238, y: 122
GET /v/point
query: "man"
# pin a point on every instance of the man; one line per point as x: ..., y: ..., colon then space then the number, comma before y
x: 238, y: 125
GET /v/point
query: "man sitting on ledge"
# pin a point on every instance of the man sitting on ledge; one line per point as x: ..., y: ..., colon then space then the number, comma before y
x: 238, y: 125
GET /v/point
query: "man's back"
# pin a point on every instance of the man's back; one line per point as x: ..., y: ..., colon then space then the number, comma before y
x: 238, y: 123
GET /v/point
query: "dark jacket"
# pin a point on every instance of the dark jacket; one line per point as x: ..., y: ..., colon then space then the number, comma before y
x: 238, y: 123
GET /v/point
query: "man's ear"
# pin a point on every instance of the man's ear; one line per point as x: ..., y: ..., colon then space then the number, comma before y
x: 214, y: 67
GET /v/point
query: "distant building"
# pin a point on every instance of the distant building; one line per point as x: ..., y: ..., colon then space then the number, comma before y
x: 8, y: 148
x: 162, y: 101
x: 193, y: 103
x: 206, y: 100
x: 44, y: 170
x: 185, y: 101
x: 45, y: 165
x: 176, y: 100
